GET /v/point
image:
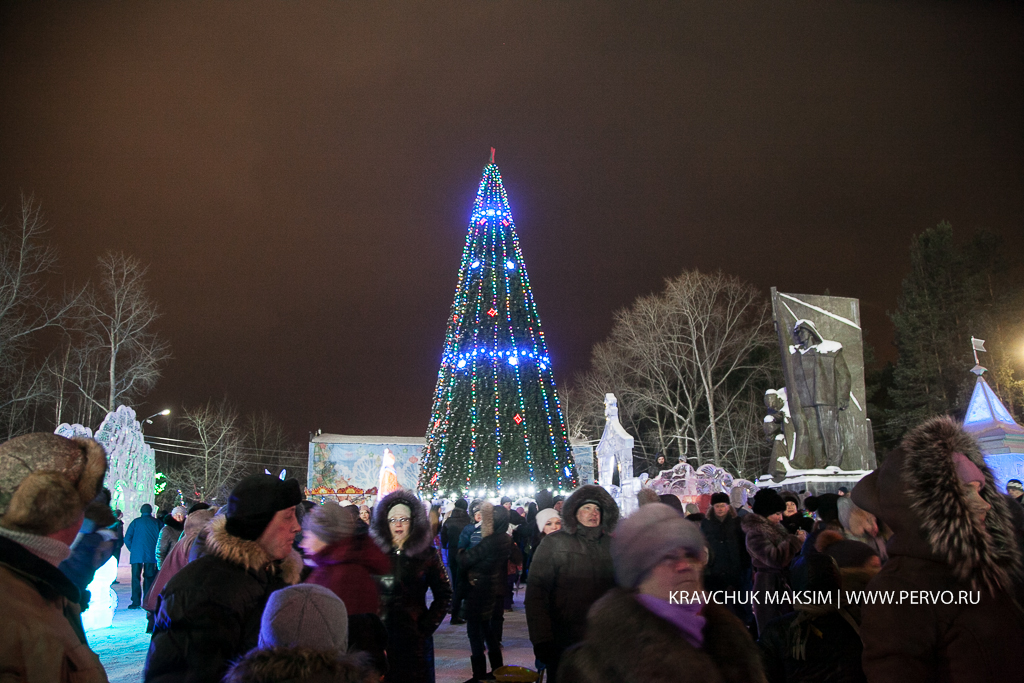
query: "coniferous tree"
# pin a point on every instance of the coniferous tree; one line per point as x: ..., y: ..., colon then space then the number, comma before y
x: 497, y: 422
x: 952, y: 293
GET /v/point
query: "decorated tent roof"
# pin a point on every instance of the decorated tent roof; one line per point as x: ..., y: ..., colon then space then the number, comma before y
x: 987, y: 417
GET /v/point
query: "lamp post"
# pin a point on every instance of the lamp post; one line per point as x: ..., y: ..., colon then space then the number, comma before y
x: 149, y: 420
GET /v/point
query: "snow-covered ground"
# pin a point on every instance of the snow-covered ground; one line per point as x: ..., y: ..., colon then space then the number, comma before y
x: 122, y: 647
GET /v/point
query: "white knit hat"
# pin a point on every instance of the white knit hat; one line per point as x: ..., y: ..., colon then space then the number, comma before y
x: 544, y: 515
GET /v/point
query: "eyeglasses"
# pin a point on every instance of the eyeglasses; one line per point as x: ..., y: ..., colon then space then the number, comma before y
x: 399, y: 520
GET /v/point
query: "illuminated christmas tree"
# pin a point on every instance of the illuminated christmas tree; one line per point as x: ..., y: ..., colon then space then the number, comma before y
x: 496, y: 424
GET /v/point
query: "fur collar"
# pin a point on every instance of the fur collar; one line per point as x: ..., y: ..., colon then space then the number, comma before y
x: 419, y: 536
x: 275, y: 664
x: 626, y: 642
x: 590, y: 492
x: 916, y: 492
x: 755, y: 523
x: 249, y: 554
x: 986, y: 553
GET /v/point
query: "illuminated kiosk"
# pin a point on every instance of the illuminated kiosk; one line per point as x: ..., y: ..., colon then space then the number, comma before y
x: 1000, y: 437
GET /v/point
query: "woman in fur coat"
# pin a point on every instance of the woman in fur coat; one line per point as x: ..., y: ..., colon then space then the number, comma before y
x: 401, y: 530
x: 771, y: 549
x: 635, y: 634
x: 952, y: 531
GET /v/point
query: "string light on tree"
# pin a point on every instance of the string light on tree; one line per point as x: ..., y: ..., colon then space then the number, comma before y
x: 497, y: 424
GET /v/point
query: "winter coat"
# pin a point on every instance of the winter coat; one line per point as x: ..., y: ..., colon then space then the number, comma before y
x: 451, y: 529
x: 485, y: 565
x: 570, y: 570
x: 141, y: 539
x: 627, y: 643
x: 209, y: 613
x: 169, y: 535
x: 41, y: 636
x: 728, y: 553
x: 771, y: 550
x: 178, y: 556
x: 415, y: 568
x: 300, y: 665
x: 797, y: 521
x: 812, y: 646
x: 470, y: 536
x: 937, y: 545
x: 347, y: 569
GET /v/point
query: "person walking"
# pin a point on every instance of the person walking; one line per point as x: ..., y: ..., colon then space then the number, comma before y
x: 400, y: 529
x: 345, y: 561
x: 170, y: 532
x: 141, y: 539
x: 571, y: 569
x: 46, y: 483
x: 485, y: 566
x: 209, y: 614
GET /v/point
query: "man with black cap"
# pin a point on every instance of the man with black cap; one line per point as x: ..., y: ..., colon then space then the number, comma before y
x: 1015, y: 490
x: 728, y: 556
x: 450, y: 531
x: 209, y: 614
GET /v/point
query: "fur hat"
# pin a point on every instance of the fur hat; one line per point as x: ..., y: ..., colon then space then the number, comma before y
x: 826, y: 506
x: 646, y: 537
x: 717, y: 498
x: 46, y: 481
x: 646, y: 496
x: 590, y: 494
x: 672, y: 501
x: 420, y: 537
x: 255, y: 500
x: 768, y: 502
x: 306, y: 615
x: 330, y: 522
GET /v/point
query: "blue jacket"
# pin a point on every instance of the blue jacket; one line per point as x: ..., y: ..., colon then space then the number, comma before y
x: 141, y: 539
x: 470, y: 536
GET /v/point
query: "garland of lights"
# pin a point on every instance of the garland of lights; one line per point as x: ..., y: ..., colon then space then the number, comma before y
x: 496, y: 422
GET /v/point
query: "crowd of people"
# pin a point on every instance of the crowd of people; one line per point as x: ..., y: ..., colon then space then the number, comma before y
x: 271, y: 587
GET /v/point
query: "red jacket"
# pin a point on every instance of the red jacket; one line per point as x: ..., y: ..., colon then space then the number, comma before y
x: 347, y: 568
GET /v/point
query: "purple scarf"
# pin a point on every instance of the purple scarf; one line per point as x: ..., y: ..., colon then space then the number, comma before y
x: 686, y: 618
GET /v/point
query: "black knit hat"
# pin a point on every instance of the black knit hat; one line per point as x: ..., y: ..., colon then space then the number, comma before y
x: 717, y: 498
x: 768, y: 502
x: 254, y: 502
x: 462, y: 504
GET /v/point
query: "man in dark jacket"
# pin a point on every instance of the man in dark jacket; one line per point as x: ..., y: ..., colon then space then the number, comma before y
x: 209, y: 614
x: 722, y: 530
x: 571, y: 569
x: 450, y: 532
x: 485, y: 566
x: 952, y: 531
x: 141, y: 539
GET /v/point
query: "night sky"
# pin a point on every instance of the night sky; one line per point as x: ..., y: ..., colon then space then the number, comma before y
x: 300, y: 174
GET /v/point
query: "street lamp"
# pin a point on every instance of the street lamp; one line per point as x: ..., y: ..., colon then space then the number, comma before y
x: 149, y: 420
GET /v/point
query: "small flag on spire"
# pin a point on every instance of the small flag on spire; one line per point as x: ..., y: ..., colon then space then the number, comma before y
x: 492, y: 155
x: 978, y: 344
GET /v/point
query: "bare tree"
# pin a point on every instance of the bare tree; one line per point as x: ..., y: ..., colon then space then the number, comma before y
x: 25, y: 310
x: 268, y: 446
x: 683, y: 364
x: 213, y: 462
x: 114, y: 325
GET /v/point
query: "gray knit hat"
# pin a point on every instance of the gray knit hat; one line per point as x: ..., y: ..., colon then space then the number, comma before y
x: 330, y: 522
x: 646, y: 537
x: 306, y: 615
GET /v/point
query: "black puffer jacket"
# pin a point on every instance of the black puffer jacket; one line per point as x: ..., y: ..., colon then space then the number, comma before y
x: 415, y: 568
x: 209, y: 614
x: 571, y: 569
x: 450, y: 530
x: 486, y: 563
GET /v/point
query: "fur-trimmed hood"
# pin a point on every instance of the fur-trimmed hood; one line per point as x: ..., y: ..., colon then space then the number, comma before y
x: 248, y: 554
x: 419, y: 535
x: 918, y: 494
x: 586, y: 494
x: 300, y: 665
